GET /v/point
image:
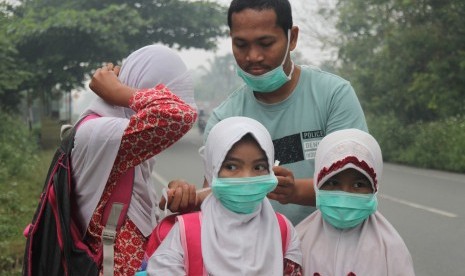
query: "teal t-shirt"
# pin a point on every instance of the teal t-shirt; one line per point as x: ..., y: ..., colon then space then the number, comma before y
x: 321, y: 103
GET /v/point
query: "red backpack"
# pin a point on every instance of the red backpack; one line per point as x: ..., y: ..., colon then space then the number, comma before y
x: 191, y: 240
x: 54, y: 245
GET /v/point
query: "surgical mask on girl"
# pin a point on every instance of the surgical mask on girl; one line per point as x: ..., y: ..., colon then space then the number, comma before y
x: 345, y: 210
x: 271, y: 80
x: 243, y: 195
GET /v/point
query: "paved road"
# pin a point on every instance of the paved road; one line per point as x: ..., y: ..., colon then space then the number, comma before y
x: 426, y: 207
x: 181, y: 161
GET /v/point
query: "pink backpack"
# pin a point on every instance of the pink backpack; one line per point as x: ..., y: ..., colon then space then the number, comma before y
x: 191, y: 240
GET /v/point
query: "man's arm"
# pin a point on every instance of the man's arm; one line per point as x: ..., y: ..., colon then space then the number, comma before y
x: 305, y: 194
x: 346, y: 111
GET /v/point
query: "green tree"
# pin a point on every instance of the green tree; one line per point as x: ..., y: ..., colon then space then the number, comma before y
x: 405, y: 56
x: 13, y: 72
x: 63, y: 41
x: 216, y: 81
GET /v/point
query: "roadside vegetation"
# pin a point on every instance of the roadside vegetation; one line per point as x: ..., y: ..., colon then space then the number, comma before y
x: 438, y: 145
x: 23, y: 168
x: 406, y: 61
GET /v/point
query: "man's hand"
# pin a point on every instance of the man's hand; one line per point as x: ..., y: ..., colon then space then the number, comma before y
x: 106, y: 85
x: 290, y: 190
x: 181, y: 197
x: 286, y: 191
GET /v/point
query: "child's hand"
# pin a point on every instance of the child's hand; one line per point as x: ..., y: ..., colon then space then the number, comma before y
x: 106, y: 85
x: 181, y: 197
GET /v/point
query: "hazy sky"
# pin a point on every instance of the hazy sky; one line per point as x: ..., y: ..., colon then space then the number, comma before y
x: 304, y: 15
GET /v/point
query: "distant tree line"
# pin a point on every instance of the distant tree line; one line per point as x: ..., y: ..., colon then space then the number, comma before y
x: 53, y: 45
x: 406, y: 60
x: 405, y: 56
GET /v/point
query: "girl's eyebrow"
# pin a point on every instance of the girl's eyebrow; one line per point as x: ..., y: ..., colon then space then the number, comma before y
x: 363, y: 177
x: 232, y: 158
x: 237, y: 159
x: 263, y: 159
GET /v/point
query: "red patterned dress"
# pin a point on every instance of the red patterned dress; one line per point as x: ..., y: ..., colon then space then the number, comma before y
x: 161, y: 119
x: 291, y: 268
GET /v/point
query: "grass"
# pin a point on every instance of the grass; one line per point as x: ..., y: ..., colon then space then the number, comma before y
x: 18, y: 200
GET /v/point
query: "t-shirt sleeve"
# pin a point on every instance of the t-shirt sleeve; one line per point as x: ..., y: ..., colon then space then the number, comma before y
x: 212, y: 120
x: 345, y: 110
x: 231, y: 106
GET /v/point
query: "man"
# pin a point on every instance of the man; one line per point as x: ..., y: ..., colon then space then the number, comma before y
x: 298, y: 104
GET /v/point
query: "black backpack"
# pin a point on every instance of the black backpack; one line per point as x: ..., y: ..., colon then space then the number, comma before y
x: 54, y: 245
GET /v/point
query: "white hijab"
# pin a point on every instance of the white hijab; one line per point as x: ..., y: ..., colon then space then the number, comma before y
x: 372, y: 248
x: 97, y: 141
x: 238, y: 244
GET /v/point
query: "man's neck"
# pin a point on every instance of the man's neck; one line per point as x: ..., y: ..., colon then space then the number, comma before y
x: 283, y: 92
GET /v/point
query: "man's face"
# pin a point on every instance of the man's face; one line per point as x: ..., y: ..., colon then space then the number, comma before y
x: 258, y: 44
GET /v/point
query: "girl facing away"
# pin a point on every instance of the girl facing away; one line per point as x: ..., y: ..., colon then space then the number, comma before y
x: 347, y: 235
x: 239, y: 230
x: 130, y: 130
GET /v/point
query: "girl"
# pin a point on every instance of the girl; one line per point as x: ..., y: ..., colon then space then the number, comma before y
x: 240, y: 232
x: 346, y: 235
x: 131, y: 128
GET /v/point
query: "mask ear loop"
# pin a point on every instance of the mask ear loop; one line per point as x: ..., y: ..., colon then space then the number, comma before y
x: 289, y: 77
x: 164, y: 193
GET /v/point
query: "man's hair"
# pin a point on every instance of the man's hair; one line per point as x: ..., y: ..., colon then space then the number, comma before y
x: 282, y: 8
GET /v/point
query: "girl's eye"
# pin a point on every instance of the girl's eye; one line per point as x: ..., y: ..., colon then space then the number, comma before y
x: 261, y: 167
x: 230, y: 167
x: 330, y: 184
x: 362, y: 184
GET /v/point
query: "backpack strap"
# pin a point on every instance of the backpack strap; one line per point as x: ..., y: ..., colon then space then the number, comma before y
x: 87, y: 118
x: 285, y: 233
x: 121, y: 193
x: 114, y: 213
x: 191, y: 243
x: 108, y: 238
